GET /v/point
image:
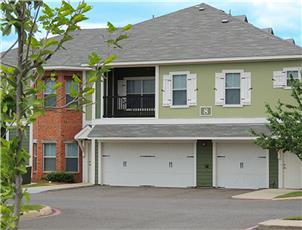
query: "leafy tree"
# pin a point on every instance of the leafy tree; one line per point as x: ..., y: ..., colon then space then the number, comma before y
x: 285, y: 124
x: 23, y: 81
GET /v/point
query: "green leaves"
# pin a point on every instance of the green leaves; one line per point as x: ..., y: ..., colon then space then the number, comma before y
x: 285, y: 124
x: 93, y: 59
x: 111, y: 28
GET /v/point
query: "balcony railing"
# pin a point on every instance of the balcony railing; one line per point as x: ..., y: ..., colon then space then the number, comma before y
x: 129, y: 106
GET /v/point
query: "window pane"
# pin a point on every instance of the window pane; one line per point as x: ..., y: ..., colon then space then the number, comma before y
x: 148, y: 86
x: 70, y: 84
x: 49, y: 84
x: 134, y: 87
x: 50, y: 150
x: 50, y: 101
x: 49, y: 164
x: 71, y: 150
x: 232, y: 80
x: 232, y: 96
x: 179, y: 81
x: 294, y: 74
x: 180, y: 97
x: 71, y: 164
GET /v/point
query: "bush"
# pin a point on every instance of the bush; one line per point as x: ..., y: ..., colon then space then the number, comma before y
x: 60, y: 177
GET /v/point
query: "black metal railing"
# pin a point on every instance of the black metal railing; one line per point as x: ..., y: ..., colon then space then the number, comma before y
x: 129, y: 106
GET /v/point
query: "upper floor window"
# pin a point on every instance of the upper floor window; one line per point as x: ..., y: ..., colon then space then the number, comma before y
x: 281, y: 78
x: 291, y: 74
x: 179, y: 89
x: 50, y: 99
x: 70, y: 86
x: 71, y: 156
x: 49, y: 157
x: 233, y: 88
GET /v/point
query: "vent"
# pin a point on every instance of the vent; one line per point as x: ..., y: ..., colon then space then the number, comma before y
x: 201, y: 8
x: 225, y: 20
x: 242, y: 18
x: 268, y: 30
x: 290, y: 40
x: 205, y: 111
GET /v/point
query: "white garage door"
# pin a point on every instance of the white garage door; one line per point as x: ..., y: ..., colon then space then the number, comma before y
x: 241, y: 165
x: 292, y: 171
x: 151, y: 164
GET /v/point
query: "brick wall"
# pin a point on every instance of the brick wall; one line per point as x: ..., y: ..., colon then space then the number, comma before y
x: 58, y: 125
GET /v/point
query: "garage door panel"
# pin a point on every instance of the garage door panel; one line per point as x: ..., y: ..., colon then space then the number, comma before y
x: 241, y: 165
x: 148, y: 164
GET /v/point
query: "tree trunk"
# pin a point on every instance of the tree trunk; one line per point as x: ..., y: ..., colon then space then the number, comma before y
x: 19, y: 93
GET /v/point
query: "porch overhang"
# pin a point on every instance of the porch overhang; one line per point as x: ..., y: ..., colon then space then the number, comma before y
x: 147, y: 132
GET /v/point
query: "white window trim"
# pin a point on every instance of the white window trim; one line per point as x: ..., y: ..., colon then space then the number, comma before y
x: 285, y: 69
x: 49, y: 156
x: 240, y: 71
x: 172, y: 89
x: 78, y: 156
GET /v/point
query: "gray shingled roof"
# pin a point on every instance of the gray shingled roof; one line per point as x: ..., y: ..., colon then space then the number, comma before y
x: 175, y: 130
x: 183, y: 35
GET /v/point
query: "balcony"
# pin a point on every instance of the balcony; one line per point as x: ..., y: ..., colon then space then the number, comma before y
x: 129, y: 106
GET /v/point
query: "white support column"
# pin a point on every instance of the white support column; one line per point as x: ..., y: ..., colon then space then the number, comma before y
x: 100, y: 168
x: 92, y: 162
x: 93, y: 102
x: 84, y: 106
x: 280, y: 169
x: 214, y: 158
x: 85, y: 163
x: 195, y: 162
x: 157, y: 91
x: 102, y: 99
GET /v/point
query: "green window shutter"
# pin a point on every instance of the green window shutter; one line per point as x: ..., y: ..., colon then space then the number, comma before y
x: 204, y: 164
x: 273, y: 169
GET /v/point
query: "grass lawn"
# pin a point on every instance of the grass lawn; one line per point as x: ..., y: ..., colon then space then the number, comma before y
x: 294, y: 218
x: 290, y: 194
x: 40, y: 183
x: 30, y: 207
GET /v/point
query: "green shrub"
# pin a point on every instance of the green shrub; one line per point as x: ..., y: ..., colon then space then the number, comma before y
x: 60, y: 177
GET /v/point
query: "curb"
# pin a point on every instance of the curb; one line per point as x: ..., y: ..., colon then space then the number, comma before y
x: 34, y: 214
x: 289, y: 198
x: 278, y: 224
x: 67, y: 188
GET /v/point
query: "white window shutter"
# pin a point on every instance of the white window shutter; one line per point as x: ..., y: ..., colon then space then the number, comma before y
x: 121, y: 88
x: 219, y: 88
x: 279, y: 79
x: 192, y: 89
x: 167, y: 90
x: 246, y: 88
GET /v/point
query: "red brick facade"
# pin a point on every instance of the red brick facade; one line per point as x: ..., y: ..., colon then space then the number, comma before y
x: 59, y: 126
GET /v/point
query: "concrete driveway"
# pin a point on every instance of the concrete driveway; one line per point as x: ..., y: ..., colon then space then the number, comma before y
x: 155, y: 208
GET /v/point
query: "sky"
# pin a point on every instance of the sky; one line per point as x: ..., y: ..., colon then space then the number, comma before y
x: 284, y: 16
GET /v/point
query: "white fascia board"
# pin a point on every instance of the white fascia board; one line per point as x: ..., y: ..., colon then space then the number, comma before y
x: 179, y: 121
x: 103, y: 139
x: 207, y: 60
x: 80, y: 68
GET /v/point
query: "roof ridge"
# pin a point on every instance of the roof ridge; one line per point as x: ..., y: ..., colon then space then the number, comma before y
x: 253, y: 26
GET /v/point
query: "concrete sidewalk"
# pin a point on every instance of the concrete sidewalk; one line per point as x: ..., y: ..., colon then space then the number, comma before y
x: 280, y: 224
x: 265, y: 194
x: 33, y: 190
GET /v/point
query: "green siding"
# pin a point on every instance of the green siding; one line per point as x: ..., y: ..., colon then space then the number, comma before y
x: 261, y: 73
x: 25, y: 144
x: 273, y: 169
x: 204, y: 164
